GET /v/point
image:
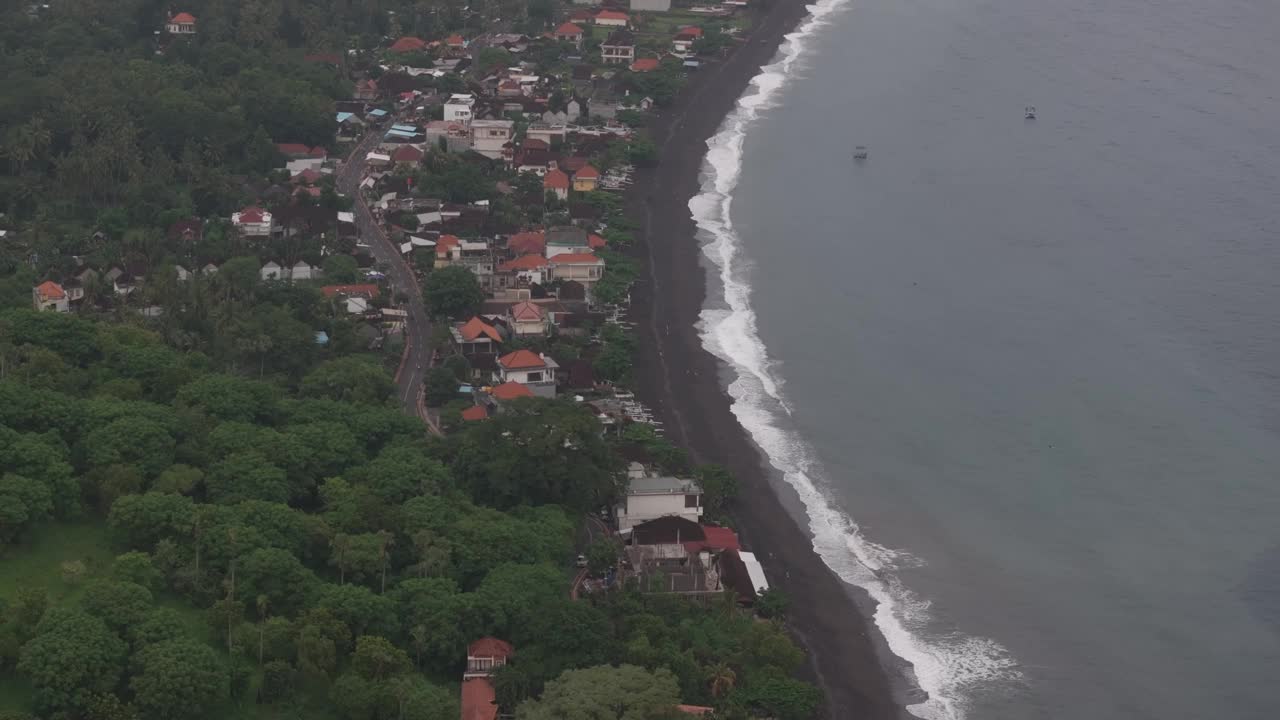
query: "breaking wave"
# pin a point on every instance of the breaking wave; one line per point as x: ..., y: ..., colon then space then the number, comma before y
x: 944, y: 666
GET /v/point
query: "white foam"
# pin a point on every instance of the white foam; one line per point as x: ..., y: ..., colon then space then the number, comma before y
x: 945, y: 666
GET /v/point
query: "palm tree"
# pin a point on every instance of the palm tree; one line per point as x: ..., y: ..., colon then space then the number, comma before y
x: 263, y: 603
x: 722, y: 679
x: 341, y: 543
x: 419, y: 636
x: 433, y: 552
x: 385, y: 541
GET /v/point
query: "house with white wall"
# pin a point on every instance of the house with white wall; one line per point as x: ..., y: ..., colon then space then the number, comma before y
x: 651, y: 496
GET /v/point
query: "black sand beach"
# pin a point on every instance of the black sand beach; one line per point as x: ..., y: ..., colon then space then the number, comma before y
x: 679, y: 380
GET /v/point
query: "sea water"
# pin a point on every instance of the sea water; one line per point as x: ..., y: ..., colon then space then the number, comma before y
x: 1022, y: 373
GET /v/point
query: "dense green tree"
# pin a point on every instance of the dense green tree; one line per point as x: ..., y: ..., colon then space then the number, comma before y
x: 719, y: 486
x: 227, y: 397
x: 377, y: 658
x: 537, y: 452
x: 136, y: 568
x: 780, y: 697
x: 513, y: 595
x: 453, y: 292
x: 246, y: 476
x: 23, y: 502
x: 72, y: 656
x: 278, y: 681
x: 156, y: 626
x: 178, y: 678
x: 340, y: 269
x: 440, y: 386
x: 437, y: 617
x: 120, y: 605
x: 275, y: 574
x: 606, y: 693
x: 141, y: 521
x: 351, y: 379
x: 181, y: 479
x: 362, y: 610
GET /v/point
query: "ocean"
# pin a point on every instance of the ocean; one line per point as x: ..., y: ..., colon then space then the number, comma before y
x: 1023, y: 374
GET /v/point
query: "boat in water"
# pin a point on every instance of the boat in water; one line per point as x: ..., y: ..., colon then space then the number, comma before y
x: 1030, y: 111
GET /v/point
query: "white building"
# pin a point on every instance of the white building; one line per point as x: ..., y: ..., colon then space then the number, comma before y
x: 534, y: 371
x: 488, y: 136
x: 49, y: 295
x: 651, y: 5
x: 651, y: 496
x: 181, y: 24
x: 252, y: 222
x: 459, y: 109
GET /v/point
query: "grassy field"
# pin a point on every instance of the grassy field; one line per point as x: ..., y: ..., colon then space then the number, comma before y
x: 38, y: 561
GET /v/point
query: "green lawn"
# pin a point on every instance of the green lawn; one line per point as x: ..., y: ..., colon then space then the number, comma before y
x: 38, y: 560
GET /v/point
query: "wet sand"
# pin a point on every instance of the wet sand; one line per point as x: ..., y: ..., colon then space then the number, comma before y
x: 684, y: 385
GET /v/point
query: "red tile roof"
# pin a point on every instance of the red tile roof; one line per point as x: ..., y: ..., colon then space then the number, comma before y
x: 455, y: 40
x: 510, y: 391
x: 308, y: 176
x: 408, y: 44
x: 717, y: 538
x: 475, y: 327
x: 475, y: 412
x: 478, y: 699
x: 50, y: 290
x: 521, y: 360
x: 252, y: 215
x: 491, y: 647
x: 595, y: 241
x: 185, y: 18
x: 406, y: 154
x: 527, y: 242
x: 568, y: 29
x: 293, y: 149
x: 555, y: 180
x: 524, y: 262
x: 611, y: 15
x: 587, y: 172
x: 645, y: 65
x: 576, y: 259
x: 331, y: 290
x: 695, y: 709
x: 580, y: 15
x: 692, y: 31
x: 445, y: 242
x: 526, y: 312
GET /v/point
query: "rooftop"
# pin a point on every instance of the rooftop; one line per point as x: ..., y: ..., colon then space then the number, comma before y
x: 662, y: 485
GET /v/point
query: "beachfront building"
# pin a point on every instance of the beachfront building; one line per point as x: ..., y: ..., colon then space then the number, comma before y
x: 651, y: 496
x: 181, y: 24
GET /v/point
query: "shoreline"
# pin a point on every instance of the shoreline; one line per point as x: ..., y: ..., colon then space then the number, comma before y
x: 681, y: 382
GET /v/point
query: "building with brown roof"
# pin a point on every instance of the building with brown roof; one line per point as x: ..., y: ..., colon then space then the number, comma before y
x: 476, y: 337
x: 181, y: 24
x: 528, y: 319
x: 555, y: 181
x: 586, y: 179
x: 408, y: 44
x: 570, y: 33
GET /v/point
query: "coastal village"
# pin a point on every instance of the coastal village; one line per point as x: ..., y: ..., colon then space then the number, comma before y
x: 464, y: 227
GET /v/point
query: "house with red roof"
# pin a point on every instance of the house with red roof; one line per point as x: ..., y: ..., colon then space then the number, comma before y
x: 535, y: 371
x: 50, y: 296
x: 644, y: 65
x: 586, y: 179
x: 366, y: 89
x: 408, y: 44
x: 596, y: 242
x: 474, y: 413
x: 455, y: 42
x: 611, y: 18
x: 181, y: 24
x: 532, y: 242
x: 406, y: 155
x: 252, y: 221
x: 479, y: 701
x: 507, y: 392
x: 522, y: 272
x: 555, y: 181
x: 584, y: 267
x: 448, y: 250
x: 476, y: 337
x: 570, y: 33
x: 685, y: 38
x: 528, y: 319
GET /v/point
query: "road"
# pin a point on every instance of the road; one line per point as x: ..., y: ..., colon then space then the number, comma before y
x: 409, y: 380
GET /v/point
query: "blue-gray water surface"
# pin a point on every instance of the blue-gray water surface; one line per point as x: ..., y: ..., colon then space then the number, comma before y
x: 1043, y: 357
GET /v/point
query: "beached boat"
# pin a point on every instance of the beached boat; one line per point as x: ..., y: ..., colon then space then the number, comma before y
x: 860, y: 152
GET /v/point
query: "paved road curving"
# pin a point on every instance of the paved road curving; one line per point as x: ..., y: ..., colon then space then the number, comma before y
x: 409, y: 382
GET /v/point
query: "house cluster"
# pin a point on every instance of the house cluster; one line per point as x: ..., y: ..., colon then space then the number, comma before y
x: 670, y: 549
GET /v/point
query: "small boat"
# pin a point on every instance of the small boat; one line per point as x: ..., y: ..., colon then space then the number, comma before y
x: 1030, y: 112
x: 860, y: 152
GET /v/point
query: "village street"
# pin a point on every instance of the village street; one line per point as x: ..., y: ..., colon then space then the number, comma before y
x: 417, y: 325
